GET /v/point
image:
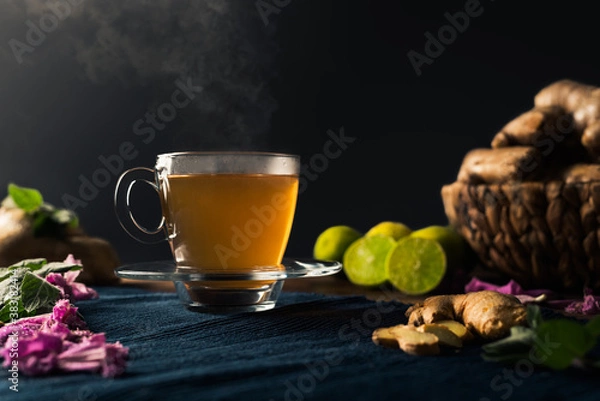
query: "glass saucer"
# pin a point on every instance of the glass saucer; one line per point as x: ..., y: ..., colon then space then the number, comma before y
x: 228, y: 291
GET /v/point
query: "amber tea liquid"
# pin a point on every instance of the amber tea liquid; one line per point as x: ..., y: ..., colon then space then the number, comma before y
x: 228, y: 221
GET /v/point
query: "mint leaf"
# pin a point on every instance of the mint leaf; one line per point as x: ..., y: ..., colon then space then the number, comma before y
x: 593, y: 326
x: 28, y: 199
x: 534, y: 316
x: 564, y: 340
x: 5, y: 312
x: 511, y: 348
x: 66, y: 217
x: 57, y: 267
x: 4, y: 273
x: 37, y: 294
x: 11, y: 288
x: 48, y: 221
x: 31, y: 264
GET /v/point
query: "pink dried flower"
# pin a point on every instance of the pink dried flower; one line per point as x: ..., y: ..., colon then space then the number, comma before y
x: 70, y: 259
x: 510, y: 288
x: 23, y: 327
x: 35, y: 354
x: 79, y: 290
x: 589, y: 305
x: 95, y: 355
x: 69, y: 288
x: 66, y: 313
x: 56, y: 341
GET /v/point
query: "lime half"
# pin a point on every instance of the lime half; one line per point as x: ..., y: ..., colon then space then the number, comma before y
x: 364, y: 260
x: 415, y: 265
x: 453, y: 243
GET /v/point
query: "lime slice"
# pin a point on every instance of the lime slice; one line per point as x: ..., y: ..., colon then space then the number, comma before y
x: 416, y: 266
x: 364, y: 260
x: 453, y: 243
x: 390, y: 228
x: 333, y: 242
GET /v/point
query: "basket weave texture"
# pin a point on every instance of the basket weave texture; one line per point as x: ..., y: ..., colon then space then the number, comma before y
x: 541, y: 234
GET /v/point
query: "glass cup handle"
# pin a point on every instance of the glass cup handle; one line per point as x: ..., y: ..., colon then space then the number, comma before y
x: 149, y: 236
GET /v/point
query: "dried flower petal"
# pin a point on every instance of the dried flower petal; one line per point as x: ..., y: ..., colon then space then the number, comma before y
x: 57, y: 341
x: 95, y: 355
x: 70, y: 259
x: 79, y: 290
x: 589, y: 305
x: 66, y: 313
x: 69, y: 288
x: 24, y: 327
x: 36, y: 354
x: 510, y: 288
x: 59, y: 281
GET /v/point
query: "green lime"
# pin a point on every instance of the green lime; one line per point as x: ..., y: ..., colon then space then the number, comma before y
x: 390, y: 228
x: 364, y: 260
x: 333, y: 242
x: 416, y: 266
x: 453, y: 243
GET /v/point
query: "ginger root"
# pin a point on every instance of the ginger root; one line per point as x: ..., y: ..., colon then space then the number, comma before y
x: 487, y: 314
x: 409, y: 340
x: 583, y: 102
x: 499, y: 165
x: 457, y: 328
x: 423, y: 340
x: 443, y: 333
x: 17, y: 242
x: 384, y: 337
x: 529, y: 128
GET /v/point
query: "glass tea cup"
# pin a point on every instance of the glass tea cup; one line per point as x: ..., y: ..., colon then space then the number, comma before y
x: 227, y: 217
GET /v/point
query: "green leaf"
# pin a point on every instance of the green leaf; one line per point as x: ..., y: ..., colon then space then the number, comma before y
x: 562, y: 341
x: 7, y: 287
x: 31, y: 264
x: 505, y: 358
x: 28, y: 199
x: 520, y: 340
x: 57, y: 267
x: 4, y: 273
x: 534, y: 316
x: 65, y: 217
x: 593, y: 326
x: 38, y: 294
x: 5, y: 312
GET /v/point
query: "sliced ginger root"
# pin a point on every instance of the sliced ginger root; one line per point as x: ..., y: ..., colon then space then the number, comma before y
x: 422, y: 340
x: 451, y: 320
x: 443, y: 333
x: 487, y: 314
x: 457, y: 328
x: 415, y: 342
x: 384, y: 337
x: 408, y: 339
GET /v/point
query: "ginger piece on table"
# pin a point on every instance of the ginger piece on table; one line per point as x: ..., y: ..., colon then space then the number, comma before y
x: 18, y: 242
x: 443, y: 333
x: 415, y: 342
x: 488, y: 314
x: 457, y: 328
x: 384, y: 337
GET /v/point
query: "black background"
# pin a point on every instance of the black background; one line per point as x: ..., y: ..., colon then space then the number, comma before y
x: 319, y: 65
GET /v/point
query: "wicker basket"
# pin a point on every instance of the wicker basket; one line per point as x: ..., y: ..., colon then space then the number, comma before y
x: 541, y: 234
